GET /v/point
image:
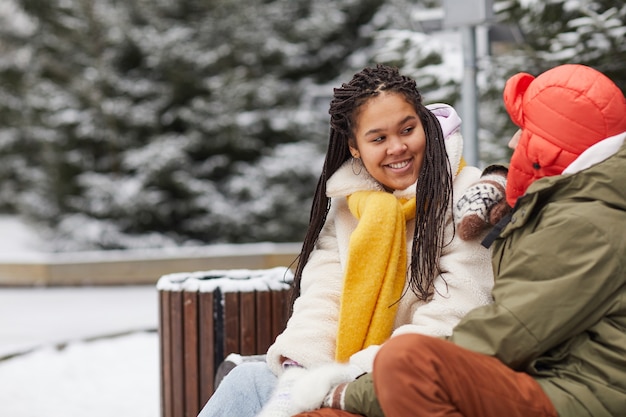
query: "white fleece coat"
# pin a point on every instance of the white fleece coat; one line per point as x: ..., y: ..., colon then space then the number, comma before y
x: 466, y: 282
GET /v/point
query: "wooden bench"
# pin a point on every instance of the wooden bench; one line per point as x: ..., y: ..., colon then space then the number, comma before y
x: 206, y: 315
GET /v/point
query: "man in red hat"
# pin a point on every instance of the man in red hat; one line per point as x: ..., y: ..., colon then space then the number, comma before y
x: 553, y: 343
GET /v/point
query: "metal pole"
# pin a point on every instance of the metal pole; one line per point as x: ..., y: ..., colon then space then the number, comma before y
x: 469, y: 101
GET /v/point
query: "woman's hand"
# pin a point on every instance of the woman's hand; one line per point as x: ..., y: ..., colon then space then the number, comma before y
x: 483, y: 204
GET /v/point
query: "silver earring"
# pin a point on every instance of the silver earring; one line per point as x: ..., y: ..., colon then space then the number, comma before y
x: 359, y: 163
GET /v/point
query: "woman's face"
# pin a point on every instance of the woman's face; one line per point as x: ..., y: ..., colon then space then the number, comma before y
x: 390, y: 140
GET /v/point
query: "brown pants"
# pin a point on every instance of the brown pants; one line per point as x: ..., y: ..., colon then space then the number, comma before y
x: 417, y: 375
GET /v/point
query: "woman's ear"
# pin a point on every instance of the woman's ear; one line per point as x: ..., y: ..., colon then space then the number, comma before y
x: 513, y: 95
x: 354, y: 151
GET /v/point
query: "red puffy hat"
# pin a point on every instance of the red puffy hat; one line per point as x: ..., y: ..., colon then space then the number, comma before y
x: 561, y: 113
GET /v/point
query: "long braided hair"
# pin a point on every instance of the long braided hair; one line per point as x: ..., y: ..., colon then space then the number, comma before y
x: 434, y: 186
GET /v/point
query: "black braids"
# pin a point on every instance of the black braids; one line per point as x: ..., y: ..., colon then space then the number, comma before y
x: 434, y: 187
x: 433, y: 196
x: 343, y: 106
x: 321, y: 205
x: 434, y: 192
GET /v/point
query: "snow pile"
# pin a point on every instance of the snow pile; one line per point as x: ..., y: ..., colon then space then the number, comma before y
x: 231, y: 280
x: 110, y: 377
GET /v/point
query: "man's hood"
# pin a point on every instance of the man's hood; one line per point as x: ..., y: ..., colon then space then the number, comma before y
x: 598, y: 174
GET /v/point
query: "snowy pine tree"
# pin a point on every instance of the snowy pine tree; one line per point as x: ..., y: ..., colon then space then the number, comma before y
x: 550, y: 33
x: 143, y: 119
x: 154, y: 123
x: 15, y: 55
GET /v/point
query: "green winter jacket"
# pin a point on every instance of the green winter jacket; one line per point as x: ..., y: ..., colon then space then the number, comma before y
x: 559, y: 311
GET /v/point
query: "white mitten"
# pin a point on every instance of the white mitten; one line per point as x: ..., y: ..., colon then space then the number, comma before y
x: 310, y: 390
x: 482, y: 205
x: 364, y: 359
x: 280, y: 403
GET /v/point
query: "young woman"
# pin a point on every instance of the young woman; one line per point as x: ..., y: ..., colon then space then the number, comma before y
x: 380, y: 257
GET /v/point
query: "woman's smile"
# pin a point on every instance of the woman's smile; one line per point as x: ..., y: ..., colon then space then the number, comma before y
x: 399, y: 165
x: 390, y: 140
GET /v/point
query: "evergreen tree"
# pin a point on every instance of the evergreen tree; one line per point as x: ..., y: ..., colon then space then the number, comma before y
x: 143, y: 118
x: 574, y: 31
x: 151, y: 123
x: 551, y: 33
x: 15, y: 56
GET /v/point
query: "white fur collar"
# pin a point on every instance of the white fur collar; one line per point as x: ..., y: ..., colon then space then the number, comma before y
x: 596, y: 153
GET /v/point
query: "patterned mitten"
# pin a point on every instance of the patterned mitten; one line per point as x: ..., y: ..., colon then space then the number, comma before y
x: 483, y: 204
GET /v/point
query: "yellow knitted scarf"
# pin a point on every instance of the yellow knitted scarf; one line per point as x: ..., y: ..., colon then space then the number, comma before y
x: 376, y: 270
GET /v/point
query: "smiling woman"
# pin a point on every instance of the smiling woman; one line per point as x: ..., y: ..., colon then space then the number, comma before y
x: 381, y: 256
x: 390, y: 140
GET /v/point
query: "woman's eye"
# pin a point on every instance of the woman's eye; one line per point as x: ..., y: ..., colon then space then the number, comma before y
x: 408, y: 130
x: 378, y: 139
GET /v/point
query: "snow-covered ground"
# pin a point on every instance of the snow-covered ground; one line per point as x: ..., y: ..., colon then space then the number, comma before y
x: 70, y: 352
x: 104, y: 378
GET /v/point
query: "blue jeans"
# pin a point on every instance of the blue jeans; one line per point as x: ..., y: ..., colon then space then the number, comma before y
x: 242, y: 393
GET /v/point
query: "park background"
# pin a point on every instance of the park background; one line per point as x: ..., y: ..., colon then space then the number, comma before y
x: 155, y: 124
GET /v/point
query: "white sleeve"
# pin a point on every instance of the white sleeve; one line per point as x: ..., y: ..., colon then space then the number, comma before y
x: 466, y: 281
x: 311, y: 331
x: 465, y: 285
